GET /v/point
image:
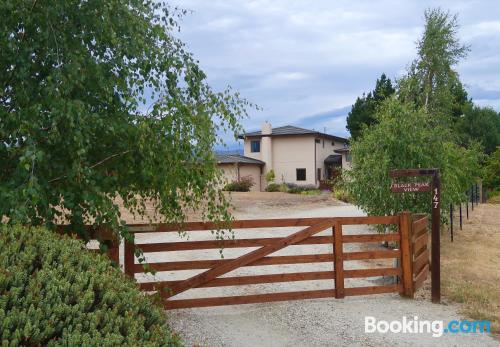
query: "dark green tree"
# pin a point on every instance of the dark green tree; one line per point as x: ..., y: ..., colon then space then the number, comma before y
x: 99, y: 102
x: 431, y: 81
x: 417, y: 129
x: 492, y: 171
x: 363, y: 111
x: 402, y: 138
x: 481, y: 124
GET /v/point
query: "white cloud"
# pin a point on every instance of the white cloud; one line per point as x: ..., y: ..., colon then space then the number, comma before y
x: 481, y: 29
x: 495, y: 103
x: 224, y: 23
x: 297, y: 58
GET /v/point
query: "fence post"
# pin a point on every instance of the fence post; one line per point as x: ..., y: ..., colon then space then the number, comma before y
x: 129, y: 256
x: 467, y: 208
x: 460, y: 211
x: 113, y: 250
x: 472, y: 198
x: 110, y: 239
x: 339, y: 260
x: 406, y: 253
x: 451, y: 221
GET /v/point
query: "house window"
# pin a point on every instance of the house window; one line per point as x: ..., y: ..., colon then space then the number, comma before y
x: 317, y: 140
x: 301, y: 174
x: 255, y: 146
x: 319, y: 174
x: 348, y: 157
x: 333, y: 143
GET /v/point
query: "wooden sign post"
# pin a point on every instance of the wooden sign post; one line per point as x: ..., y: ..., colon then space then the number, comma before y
x: 436, y: 201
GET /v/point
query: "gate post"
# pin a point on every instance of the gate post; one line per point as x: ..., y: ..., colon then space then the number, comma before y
x: 112, y: 242
x: 406, y: 254
x: 129, y: 256
x: 338, y: 253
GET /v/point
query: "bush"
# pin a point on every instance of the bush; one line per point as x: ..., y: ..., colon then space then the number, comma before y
x: 296, y: 189
x: 311, y: 192
x: 273, y: 187
x: 283, y: 188
x: 54, y: 292
x: 406, y: 137
x: 242, y: 185
x: 342, y: 195
x: 493, y: 196
x: 336, y: 182
x: 492, y: 171
x: 270, y: 176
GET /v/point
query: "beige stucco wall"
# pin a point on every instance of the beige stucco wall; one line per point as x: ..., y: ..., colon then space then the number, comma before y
x: 254, y: 172
x: 292, y: 152
x: 322, y: 152
x: 230, y: 173
x: 247, y: 150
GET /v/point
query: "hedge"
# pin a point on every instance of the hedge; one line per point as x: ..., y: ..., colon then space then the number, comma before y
x: 273, y: 187
x: 55, y: 292
x: 241, y: 185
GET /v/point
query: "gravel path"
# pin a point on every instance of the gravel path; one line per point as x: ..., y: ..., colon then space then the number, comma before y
x: 319, y: 322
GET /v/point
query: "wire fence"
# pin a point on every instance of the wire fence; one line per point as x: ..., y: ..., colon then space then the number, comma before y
x: 475, y: 195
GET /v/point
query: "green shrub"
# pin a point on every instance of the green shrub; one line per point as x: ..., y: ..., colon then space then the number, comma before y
x: 270, y: 176
x: 54, y: 292
x: 493, y: 196
x: 242, y: 185
x: 311, y: 192
x: 336, y: 182
x: 273, y: 187
x: 296, y: 189
x: 283, y: 188
x: 492, y: 171
x: 342, y: 195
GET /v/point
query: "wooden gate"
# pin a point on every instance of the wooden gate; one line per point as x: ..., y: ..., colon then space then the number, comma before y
x: 262, y: 256
x: 419, y: 236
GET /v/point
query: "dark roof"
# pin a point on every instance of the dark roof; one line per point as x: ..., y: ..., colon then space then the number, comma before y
x: 333, y: 159
x: 237, y: 158
x: 342, y: 150
x: 292, y: 130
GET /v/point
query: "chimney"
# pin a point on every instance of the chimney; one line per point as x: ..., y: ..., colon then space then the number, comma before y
x: 267, y: 146
x: 267, y: 129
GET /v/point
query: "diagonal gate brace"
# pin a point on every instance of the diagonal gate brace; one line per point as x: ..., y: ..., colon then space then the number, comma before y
x: 248, y: 258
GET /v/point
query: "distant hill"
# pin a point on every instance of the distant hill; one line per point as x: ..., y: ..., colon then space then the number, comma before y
x: 231, y: 148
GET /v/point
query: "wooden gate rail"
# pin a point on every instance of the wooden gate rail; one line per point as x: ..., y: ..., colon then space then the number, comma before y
x: 419, y: 252
x: 412, y: 269
x: 261, y: 257
x: 105, y: 235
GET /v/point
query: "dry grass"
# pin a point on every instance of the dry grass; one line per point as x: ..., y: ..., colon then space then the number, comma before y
x: 494, y: 199
x: 471, y: 265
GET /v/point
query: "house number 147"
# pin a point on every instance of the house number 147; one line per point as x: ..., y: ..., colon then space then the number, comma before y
x: 435, y: 198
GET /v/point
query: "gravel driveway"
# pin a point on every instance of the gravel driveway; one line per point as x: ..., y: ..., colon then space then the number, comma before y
x: 319, y: 322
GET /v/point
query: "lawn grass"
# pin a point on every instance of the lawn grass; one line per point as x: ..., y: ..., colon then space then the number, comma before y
x: 471, y: 266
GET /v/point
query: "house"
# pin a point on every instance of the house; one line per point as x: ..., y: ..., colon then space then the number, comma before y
x: 235, y: 166
x: 297, y: 155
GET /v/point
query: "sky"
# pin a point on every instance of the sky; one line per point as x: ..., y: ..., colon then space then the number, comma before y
x: 305, y: 62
